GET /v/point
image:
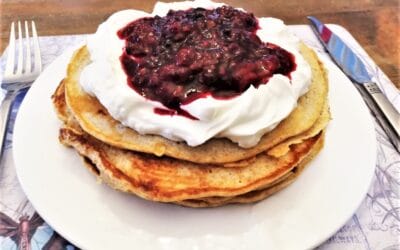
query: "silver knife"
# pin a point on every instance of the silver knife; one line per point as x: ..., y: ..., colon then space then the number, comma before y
x: 354, y: 68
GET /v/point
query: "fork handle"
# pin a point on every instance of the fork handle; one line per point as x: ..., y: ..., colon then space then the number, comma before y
x: 5, y: 111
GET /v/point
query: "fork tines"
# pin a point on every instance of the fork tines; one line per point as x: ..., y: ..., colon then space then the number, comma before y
x: 23, y: 68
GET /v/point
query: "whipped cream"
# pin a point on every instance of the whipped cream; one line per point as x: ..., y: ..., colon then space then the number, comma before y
x: 243, y: 119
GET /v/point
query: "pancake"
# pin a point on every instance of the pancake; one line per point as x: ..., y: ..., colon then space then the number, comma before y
x: 250, y: 197
x: 94, y: 119
x: 166, y: 179
x: 281, y: 149
x: 321, y: 123
x: 257, y: 195
x: 66, y: 116
x: 59, y: 104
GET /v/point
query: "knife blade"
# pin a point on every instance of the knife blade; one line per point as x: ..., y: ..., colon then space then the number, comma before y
x: 355, y: 69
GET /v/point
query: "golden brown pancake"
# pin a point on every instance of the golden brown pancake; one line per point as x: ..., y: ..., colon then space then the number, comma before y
x: 169, y: 180
x: 260, y: 194
x: 59, y: 104
x: 252, y: 196
x: 283, y: 147
x: 278, y: 150
x: 94, y: 119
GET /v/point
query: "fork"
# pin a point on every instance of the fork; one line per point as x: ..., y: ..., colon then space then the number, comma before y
x: 18, y: 76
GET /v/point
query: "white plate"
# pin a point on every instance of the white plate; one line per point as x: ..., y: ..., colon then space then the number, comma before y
x: 94, y: 216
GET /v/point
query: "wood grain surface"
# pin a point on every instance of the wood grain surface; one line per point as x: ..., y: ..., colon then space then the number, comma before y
x: 374, y: 23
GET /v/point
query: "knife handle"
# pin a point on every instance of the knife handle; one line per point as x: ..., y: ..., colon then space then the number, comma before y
x: 384, y: 105
x: 386, y: 114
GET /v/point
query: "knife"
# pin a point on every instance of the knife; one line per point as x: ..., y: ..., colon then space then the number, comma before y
x: 355, y: 69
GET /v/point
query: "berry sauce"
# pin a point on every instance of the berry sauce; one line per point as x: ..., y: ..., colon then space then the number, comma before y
x: 194, y: 53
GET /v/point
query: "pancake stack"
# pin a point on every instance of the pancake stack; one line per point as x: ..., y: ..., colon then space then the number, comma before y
x: 215, y: 173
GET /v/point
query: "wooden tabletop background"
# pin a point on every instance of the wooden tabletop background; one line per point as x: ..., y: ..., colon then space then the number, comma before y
x: 374, y: 23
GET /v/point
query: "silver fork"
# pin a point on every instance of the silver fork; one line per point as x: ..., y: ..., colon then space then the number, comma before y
x: 18, y: 76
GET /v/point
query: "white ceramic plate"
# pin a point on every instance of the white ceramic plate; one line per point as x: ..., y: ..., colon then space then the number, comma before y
x: 94, y: 216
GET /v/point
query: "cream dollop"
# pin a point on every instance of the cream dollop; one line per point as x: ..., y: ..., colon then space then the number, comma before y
x: 243, y: 119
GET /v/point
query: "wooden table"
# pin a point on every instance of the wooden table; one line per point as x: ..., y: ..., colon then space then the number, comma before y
x: 374, y: 23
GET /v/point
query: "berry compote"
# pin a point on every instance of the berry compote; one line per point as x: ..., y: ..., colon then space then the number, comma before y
x: 190, y: 54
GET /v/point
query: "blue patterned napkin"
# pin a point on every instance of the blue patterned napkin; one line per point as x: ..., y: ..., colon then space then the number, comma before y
x: 375, y: 225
